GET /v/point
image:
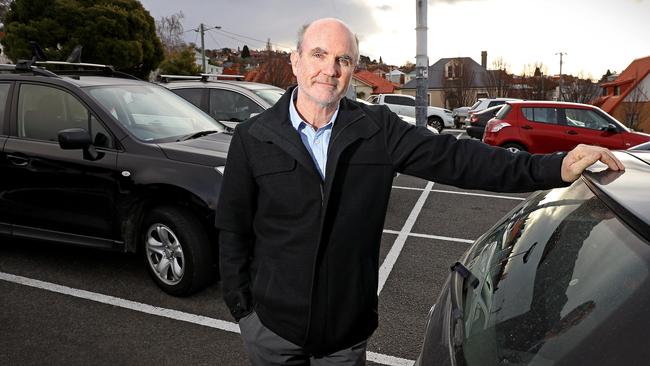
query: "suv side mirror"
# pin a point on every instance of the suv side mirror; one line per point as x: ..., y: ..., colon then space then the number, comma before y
x: 78, y: 138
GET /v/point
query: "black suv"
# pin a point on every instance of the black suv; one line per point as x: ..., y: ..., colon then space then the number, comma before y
x: 96, y: 158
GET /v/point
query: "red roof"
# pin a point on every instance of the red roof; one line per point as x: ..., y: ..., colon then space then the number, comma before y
x: 379, y: 85
x: 632, y: 75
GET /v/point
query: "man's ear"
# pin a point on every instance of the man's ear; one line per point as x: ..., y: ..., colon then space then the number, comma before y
x: 295, y: 57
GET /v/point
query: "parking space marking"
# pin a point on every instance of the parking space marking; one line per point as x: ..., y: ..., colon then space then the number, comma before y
x: 164, y: 312
x: 427, y: 236
x: 464, y: 193
x: 396, y: 249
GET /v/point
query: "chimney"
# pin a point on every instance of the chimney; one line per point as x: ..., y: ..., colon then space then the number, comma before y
x: 484, y: 59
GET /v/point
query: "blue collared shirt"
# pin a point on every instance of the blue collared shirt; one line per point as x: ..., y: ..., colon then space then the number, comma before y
x: 316, y: 141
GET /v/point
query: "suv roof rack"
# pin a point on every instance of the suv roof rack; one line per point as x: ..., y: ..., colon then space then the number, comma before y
x: 74, y: 68
x: 166, y: 78
x: 23, y: 66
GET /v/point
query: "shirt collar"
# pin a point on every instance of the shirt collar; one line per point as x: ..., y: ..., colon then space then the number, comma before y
x: 297, y: 121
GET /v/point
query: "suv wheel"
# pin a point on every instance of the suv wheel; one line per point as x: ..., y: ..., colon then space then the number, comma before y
x: 177, y: 250
x: 435, y: 122
x: 513, y: 147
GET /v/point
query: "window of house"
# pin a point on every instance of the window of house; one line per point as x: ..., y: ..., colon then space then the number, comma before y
x: 44, y: 111
x: 450, y: 71
x: 617, y: 90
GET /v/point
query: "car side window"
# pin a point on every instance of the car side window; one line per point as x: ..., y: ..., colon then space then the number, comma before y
x: 4, y: 92
x: 226, y: 105
x: 585, y: 118
x: 195, y: 96
x: 543, y: 115
x: 44, y: 111
x: 495, y: 102
x: 373, y: 99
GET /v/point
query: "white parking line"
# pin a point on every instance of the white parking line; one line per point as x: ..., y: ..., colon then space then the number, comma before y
x: 396, y: 249
x: 163, y: 312
x: 446, y: 238
x: 463, y: 193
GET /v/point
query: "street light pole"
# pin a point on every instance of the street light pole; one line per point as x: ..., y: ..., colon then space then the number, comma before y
x: 561, y: 79
x: 421, y: 63
x: 202, y: 30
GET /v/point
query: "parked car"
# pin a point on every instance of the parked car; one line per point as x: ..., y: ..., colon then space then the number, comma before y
x: 229, y: 102
x: 545, y: 127
x: 478, y: 120
x: 403, y: 104
x: 404, y: 118
x: 96, y: 158
x: 643, y: 146
x: 560, y: 280
x: 461, y: 114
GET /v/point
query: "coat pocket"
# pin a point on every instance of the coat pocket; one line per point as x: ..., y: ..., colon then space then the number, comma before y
x: 273, y: 164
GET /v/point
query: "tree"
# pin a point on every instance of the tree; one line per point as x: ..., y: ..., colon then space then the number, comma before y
x: 170, y: 32
x: 245, y: 52
x: 4, y: 7
x: 580, y: 90
x: 499, y: 79
x: 274, y: 70
x: 633, y: 105
x: 180, y: 62
x: 117, y: 32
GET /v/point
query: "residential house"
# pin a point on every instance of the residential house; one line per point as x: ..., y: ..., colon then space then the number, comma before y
x: 455, y: 82
x: 210, y: 69
x: 366, y: 83
x: 627, y: 98
x: 396, y: 77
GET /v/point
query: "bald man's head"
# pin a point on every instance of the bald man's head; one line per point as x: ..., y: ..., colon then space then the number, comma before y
x: 324, y: 24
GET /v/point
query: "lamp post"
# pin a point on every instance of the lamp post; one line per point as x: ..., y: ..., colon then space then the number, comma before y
x: 202, y: 30
x: 561, y: 79
x: 421, y: 63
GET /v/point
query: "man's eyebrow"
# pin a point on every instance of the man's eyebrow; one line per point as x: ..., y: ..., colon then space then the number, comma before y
x: 318, y: 49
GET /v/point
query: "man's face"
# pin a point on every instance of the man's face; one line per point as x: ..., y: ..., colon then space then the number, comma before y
x: 325, y: 63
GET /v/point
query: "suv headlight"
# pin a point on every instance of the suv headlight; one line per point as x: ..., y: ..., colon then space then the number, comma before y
x: 499, y: 126
x: 220, y: 169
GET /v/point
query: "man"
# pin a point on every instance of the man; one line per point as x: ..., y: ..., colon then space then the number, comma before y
x: 304, y: 197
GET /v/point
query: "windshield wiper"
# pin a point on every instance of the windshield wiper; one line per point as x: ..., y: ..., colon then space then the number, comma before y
x: 456, y: 287
x: 198, y: 134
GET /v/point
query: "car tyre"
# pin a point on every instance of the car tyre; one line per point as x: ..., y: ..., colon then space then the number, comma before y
x: 513, y: 147
x: 177, y: 251
x: 435, y: 122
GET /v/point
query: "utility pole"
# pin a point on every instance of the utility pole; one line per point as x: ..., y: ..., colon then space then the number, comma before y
x: 421, y: 63
x: 561, y: 78
x: 202, y: 30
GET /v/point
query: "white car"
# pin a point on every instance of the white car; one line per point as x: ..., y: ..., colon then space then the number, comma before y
x: 404, y: 118
x: 403, y: 104
x: 461, y: 114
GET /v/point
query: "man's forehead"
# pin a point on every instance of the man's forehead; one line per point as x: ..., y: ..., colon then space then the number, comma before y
x: 329, y: 41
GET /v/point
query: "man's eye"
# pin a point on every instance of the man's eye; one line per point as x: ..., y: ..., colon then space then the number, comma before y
x: 344, y: 62
x: 318, y: 55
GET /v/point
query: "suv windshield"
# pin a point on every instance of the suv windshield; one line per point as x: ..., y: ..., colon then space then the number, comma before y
x: 152, y: 113
x: 552, y: 276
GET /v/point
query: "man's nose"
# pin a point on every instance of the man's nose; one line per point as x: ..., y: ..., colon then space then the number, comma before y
x: 332, y: 68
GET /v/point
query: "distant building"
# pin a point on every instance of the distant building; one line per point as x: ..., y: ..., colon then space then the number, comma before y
x: 366, y: 83
x: 627, y: 98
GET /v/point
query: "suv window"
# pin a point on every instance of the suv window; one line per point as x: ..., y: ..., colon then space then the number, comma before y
x: 544, y: 115
x: 503, y: 112
x: 226, y: 105
x: 193, y: 95
x: 373, y: 99
x: 392, y: 99
x: 496, y: 102
x: 4, y: 92
x: 43, y: 111
x: 547, y: 276
x: 585, y: 118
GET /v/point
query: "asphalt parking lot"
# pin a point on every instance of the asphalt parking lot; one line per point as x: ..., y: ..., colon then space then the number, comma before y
x: 76, y: 306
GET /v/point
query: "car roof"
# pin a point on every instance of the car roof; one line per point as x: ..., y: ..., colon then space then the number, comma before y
x: 547, y: 103
x: 193, y: 83
x: 625, y: 192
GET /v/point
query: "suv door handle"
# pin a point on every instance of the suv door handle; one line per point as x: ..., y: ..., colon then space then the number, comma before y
x: 18, y: 160
x: 571, y: 132
x: 526, y: 127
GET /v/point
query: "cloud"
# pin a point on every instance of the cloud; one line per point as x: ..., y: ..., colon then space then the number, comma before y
x: 384, y: 7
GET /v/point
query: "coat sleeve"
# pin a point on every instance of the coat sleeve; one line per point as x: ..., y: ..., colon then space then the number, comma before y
x: 467, y: 163
x: 234, y: 216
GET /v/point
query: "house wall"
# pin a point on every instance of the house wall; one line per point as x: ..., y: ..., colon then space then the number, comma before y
x: 435, y: 96
x: 644, y: 116
x: 361, y: 88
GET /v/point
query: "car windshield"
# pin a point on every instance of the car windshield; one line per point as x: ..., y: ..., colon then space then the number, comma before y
x: 554, y: 276
x: 152, y: 113
x: 269, y: 95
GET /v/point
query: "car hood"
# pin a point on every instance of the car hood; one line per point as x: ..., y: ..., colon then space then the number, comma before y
x: 207, y: 150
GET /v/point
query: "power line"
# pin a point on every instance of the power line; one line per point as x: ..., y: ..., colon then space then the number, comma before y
x: 254, y: 39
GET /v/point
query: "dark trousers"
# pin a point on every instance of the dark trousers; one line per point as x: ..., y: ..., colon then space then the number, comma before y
x: 267, y: 348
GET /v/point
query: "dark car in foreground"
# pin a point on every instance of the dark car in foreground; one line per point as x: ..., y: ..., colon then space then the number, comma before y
x: 541, y: 127
x: 92, y: 157
x: 478, y: 120
x: 563, y: 279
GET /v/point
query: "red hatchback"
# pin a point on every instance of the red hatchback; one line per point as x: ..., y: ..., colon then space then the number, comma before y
x: 545, y: 127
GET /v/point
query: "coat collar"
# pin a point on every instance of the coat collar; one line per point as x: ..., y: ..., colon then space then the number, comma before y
x: 274, y: 126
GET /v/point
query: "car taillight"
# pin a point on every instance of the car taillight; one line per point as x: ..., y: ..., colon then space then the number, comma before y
x: 473, y: 119
x: 495, y: 127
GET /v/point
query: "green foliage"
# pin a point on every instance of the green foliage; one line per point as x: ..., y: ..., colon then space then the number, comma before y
x: 115, y: 32
x: 245, y: 52
x: 180, y: 62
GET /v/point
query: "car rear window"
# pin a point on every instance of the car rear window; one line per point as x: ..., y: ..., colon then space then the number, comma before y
x: 554, y: 277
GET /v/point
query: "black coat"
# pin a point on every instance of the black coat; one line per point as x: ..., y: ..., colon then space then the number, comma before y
x: 304, y: 253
